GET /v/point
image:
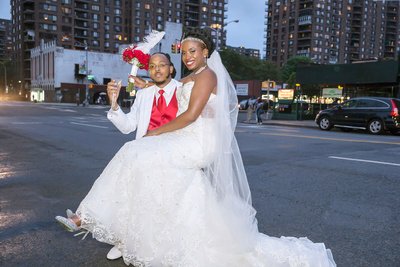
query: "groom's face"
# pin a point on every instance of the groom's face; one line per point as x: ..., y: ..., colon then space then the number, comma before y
x: 160, y: 69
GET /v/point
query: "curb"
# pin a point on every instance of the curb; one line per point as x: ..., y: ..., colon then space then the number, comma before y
x: 279, y: 123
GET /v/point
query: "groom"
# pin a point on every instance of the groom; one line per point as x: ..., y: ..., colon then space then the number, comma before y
x: 155, y: 105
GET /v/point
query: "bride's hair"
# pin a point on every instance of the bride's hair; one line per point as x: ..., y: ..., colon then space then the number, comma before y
x: 202, y: 34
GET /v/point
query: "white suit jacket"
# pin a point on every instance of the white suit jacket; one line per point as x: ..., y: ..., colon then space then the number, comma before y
x: 139, y: 117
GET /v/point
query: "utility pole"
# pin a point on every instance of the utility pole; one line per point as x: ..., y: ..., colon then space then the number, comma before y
x: 86, y: 102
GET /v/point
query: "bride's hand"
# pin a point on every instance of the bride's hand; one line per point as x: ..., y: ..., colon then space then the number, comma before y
x: 152, y: 133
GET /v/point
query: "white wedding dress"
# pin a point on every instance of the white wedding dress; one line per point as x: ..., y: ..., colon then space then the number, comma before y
x: 154, y: 202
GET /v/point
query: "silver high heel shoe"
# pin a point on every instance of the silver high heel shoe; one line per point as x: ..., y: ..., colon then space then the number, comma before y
x: 67, y: 223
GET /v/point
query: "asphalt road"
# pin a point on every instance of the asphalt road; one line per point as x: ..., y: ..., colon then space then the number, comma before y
x: 333, y: 187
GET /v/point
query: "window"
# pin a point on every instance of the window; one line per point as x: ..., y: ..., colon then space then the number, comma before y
x: 349, y: 104
x: 66, y: 10
x: 49, y: 17
x: 95, y: 7
x: 49, y: 7
x: 364, y: 103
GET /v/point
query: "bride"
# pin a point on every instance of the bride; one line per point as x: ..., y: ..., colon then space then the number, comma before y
x: 180, y: 196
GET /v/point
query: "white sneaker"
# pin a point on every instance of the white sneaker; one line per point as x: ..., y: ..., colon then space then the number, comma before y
x: 114, y: 253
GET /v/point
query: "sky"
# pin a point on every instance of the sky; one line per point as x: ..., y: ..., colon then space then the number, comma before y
x: 248, y: 32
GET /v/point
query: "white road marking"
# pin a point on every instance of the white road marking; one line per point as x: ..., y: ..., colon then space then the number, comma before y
x: 89, y: 125
x: 26, y: 122
x: 369, y: 161
x: 331, y: 138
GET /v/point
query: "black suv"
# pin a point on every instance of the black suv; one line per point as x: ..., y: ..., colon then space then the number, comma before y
x: 374, y: 114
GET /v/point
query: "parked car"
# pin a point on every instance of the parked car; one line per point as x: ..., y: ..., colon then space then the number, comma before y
x: 374, y: 114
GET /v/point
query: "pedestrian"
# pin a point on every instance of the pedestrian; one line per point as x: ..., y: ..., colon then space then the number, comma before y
x: 259, y: 110
x: 180, y: 196
x: 250, y: 109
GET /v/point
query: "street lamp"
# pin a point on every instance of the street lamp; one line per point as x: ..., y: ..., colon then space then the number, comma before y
x: 217, y: 28
x: 5, y: 76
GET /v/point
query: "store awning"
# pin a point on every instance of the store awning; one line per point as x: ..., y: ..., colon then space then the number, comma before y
x: 357, y: 73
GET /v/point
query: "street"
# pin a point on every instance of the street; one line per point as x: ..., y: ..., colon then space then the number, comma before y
x: 333, y: 187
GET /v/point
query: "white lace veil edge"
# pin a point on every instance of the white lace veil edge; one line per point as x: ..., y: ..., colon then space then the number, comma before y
x: 227, y: 173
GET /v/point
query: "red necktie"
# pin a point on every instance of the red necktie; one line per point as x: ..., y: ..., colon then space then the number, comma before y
x: 161, y: 105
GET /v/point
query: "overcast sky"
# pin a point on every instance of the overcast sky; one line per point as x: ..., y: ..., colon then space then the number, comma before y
x: 249, y: 32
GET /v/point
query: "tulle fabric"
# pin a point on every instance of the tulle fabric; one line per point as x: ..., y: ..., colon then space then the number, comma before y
x: 160, y: 200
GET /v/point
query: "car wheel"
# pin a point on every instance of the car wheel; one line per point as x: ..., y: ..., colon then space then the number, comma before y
x: 375, y: 126
x: 325, y: 123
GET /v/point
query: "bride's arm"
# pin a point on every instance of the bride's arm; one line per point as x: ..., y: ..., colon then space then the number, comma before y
x: 204, y: 84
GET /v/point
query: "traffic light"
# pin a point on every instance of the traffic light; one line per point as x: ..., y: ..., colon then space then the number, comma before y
x: 271, y: 84
x: 178, y: 47
x: 173, y: 48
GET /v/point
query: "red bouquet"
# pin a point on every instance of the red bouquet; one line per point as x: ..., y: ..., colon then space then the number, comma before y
x: 137, y: 59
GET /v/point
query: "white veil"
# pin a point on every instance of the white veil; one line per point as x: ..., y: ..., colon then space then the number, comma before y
x: 226, y: 172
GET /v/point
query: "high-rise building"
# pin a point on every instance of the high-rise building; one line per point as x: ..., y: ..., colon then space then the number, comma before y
x: 331, y: 31
x: 102, y: 25
x: 5, y: 40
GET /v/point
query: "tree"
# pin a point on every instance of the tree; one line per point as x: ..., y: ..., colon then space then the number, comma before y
x: 290, y: 67
x: 242, y: 67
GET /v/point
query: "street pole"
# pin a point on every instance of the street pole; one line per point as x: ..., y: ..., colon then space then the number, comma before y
x: 217, y: 28
x: 217, y: 45
x: 86, y: 102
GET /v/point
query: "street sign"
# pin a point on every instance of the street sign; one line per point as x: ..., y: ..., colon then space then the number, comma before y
x: 286, y: 94
x: 242, y: 89
x: 332, y: 92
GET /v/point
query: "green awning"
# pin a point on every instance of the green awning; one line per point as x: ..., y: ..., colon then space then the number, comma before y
x: 357, y: 73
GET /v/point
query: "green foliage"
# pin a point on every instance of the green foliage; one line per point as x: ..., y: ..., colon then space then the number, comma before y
x: 290, y: 67
x: 242, y: 67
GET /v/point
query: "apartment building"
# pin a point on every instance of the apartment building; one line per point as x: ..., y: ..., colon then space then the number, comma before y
x: 5, y: 40
x: 331, y: 31
x: 249, y: 52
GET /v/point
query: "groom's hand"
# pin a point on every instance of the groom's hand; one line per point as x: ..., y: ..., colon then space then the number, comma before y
x: 113, y: 89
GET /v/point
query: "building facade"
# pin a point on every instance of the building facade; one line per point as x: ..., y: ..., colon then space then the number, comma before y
x: 101, y: 26
x: 249, y: 52
x: 5, y: 40
x: 331, y: 31
x: 58, y: 73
